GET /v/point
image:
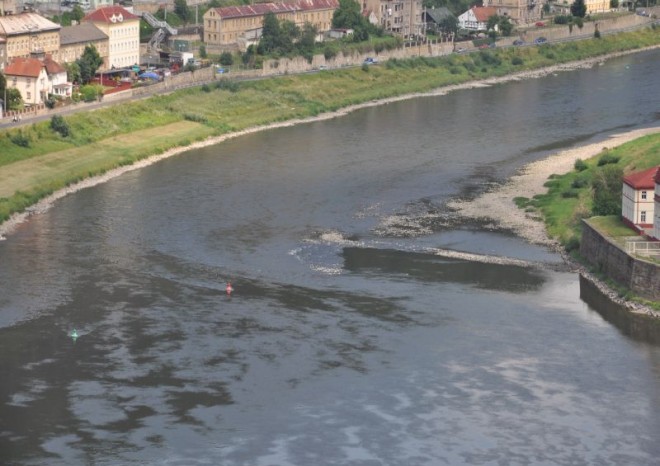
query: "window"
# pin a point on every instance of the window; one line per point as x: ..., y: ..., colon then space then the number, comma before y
x: 642, y: 216
x: 643, y: 194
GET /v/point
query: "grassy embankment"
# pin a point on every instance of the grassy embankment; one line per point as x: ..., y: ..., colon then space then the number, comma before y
x: 121, y: 135
x: 570, y: 199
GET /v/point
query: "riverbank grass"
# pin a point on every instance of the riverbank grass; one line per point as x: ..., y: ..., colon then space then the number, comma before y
x: 569, y: 198
x: 94, y: 144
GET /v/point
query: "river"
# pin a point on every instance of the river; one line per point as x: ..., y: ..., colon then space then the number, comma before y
x: 348, y: 338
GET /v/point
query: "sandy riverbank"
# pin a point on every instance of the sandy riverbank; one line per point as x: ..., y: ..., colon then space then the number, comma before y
x: 10, y: 225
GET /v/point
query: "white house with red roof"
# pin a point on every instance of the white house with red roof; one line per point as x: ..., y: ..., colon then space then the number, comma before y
x: 37, y: 78
x: 638, y: 203
x: 123, y: 30
x: 30, y: 77
x: 476, y: 18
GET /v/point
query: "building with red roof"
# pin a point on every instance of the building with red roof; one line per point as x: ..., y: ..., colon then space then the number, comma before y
x: 476, y: 18
x: 123, y: 30
x: 638, y: 203
x: 37, y: 77
x: 233, y: 27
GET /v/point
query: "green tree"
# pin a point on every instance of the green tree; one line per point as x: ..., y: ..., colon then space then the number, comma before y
x: 579, y: 9
x: 448, y: 25
x: 270, y: 34
x: 307, y: 38
x: 14, y: 99
x: 607, y: 189
x: 73, y: 72
x: 89, y: 63
x: 77, y: 13
x: 226, y: 59
x: 504, y: 25
x: 182, y: 11
x: 59, y: 125
x: 614, y: 4
x: 349, y: 16
x: 202, y: 51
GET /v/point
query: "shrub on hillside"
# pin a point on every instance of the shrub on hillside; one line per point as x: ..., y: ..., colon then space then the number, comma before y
x: 580, y: 165
x: 606, y: 184
x: 607, y: 159
x: 20, y: 139
x: 59, y: 125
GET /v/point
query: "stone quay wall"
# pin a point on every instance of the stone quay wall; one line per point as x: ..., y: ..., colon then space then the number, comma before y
x: 638, y: 275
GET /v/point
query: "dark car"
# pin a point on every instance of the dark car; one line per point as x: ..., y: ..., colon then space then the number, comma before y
x: 540, y: 40
x: 370, y: 61
x: 518, y: 42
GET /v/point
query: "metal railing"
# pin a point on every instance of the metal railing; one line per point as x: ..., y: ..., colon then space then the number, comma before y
x: 644, y: 248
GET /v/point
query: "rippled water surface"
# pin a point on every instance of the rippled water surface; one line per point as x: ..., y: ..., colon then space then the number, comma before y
x: 352, y: 337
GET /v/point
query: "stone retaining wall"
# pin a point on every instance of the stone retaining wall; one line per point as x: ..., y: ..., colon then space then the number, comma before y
x: 640, y: 276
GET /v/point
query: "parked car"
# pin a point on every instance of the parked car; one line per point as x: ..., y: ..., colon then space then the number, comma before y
x: 518, y: 42
x: 539, y: 24
x: 540, y: 40
x: 370, y: 61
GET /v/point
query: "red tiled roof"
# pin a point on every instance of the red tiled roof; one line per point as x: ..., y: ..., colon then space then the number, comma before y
x: 110, y: 14
x: 644, y: 179
x: 258, y: 9
x: 482, y: 13
x: 52, y: 67
x: 316, y: 4
x: 29, y: 67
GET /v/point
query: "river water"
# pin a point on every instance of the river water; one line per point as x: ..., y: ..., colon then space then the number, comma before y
x: 348, y: 339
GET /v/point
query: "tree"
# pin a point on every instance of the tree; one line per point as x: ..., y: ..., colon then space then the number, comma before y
x: 202, y: 51
x: 607, y: 188
x: 14, y: 99
x: 59, y: 125
x: 501, y: 23
x: 72, y: 72
x: 77, y: 13
x: 270, y: 34
x: 579, y: 9
x: 226, y: 59
x: 89, y: 63
x: 349, y: 16
x: 182, y: 11
x: 448, y: 25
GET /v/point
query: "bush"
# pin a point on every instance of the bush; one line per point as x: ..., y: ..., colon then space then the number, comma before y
x: 580, y: 165
x: 206, y: 88
x: 607, y: 159
x: 59, y: 125
x: 517, y: 61
x: 226, y: 59
x: 20, y: 139
x: 579, y: 183
x: 607, y: 188
x: 572, y: 244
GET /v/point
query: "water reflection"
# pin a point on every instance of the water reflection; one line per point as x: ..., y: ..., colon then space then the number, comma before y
x: 431, y: 268
x: 639, y: 327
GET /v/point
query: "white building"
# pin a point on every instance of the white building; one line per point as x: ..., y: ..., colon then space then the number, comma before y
x: 637, y: 203
x: 476, y: 18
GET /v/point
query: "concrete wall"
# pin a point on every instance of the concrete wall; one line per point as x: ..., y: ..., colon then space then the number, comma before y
x: 640, y: 276
x: 557, y: 32
x: 299, y: 64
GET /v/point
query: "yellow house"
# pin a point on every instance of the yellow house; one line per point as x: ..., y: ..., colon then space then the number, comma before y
x: 597, y: 6
x: 123, y: 30
x: 27, y: 33
x: 224, y: 28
